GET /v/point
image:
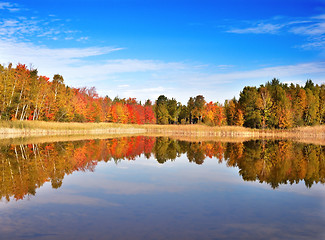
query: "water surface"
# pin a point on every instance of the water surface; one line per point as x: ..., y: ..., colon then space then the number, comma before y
x: 160, y: 188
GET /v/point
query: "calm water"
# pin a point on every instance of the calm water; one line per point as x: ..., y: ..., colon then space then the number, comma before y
x: 158, y: 188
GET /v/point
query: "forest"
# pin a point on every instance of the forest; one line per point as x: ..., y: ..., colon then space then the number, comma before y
x: 274, y: 105
x: 24, y: 95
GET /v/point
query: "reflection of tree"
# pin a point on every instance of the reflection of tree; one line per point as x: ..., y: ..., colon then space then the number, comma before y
x: 166, y: 149
x: 195, y: 153
x: 278, y: 162
x: 24, y: 168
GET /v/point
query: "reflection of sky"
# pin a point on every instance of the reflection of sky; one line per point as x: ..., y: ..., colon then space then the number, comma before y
x: 143, y: 199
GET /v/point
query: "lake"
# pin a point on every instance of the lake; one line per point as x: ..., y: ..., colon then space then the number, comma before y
x: 161, y: 188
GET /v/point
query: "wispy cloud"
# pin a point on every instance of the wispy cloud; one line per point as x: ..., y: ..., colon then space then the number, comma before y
x: 275, y: 25
x: 145, y: 79
x: 260, y: 28
x: 271, y: 72
x: 27, y: 52
x: 19, y: 26
x: 225, y: 66
x: 77, y: 65
x: 78, y: 70
x: 82, y: 39
x: 9, y: 6
x: 313, y: 28
x: 220, y: 86
x: 145, y: 93
x: 123, y: 86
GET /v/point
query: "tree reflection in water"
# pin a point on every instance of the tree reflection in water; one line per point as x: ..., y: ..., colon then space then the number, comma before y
x: 24, y: 168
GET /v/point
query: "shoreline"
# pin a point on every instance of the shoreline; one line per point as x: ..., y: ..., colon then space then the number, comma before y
x: 34, y: 129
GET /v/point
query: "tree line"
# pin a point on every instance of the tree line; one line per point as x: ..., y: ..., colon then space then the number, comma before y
x: 274, y: 105
x: 24, y: 95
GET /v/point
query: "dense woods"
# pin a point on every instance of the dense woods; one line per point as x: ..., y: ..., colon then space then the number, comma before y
x: 274, y: 105
x: 24, y: 95
x: 26, y: 167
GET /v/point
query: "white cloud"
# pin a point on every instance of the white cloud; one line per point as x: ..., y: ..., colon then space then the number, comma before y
x: 9, y: 6
x: 4, y: 5
x: 78, y: 71
x: 21, y: 27
x: 145, y: 79
x: 322, y: 16
x: 82, y: 39
x: 183, y: 84
x: 77, y: 65
x: 145, y: 93
x: 313, y: 28
x: 14, y: 51
x: 261, y: 28
x: 18, y: 28
x: 123, y: 86
x: 271, y: 72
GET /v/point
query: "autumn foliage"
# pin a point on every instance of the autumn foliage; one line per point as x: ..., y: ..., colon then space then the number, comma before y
x: 26, y: 96
x: 274, y: 105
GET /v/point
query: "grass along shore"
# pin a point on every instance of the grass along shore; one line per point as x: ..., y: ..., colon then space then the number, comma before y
x: 13, y: 129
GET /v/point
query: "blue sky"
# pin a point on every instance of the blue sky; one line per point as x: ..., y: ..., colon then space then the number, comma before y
x: 143, y: 49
